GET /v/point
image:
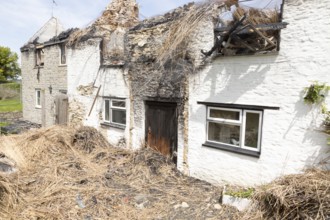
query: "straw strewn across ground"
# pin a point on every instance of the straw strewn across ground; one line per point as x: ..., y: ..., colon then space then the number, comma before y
x: 65, y: 173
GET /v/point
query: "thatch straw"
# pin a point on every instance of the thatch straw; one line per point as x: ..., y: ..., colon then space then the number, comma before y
x: 67, y: 173
x: 181, y: 30
x: 302, y: 196
x: 257, y: 16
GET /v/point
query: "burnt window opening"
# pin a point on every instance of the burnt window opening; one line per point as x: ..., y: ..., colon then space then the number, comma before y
x: 244, y: 30
x: 112, y: 49
x: 62, y: 54
x: 40, y: 56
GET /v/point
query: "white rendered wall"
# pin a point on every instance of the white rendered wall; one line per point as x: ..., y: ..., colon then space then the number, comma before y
x: 83, y: 70
x: 291, y: 141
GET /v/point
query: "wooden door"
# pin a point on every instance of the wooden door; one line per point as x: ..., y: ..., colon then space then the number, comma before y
x: 61, y: 109
x: 161, y: 127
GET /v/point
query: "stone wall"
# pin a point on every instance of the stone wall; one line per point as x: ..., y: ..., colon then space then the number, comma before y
x: 51, y: 74
x: 10, y: 116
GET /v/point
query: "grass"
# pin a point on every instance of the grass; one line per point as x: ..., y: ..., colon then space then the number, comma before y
x: 12, y: 85
x: 10, y: 105
x: 3, y: 124
x: 240, y: 193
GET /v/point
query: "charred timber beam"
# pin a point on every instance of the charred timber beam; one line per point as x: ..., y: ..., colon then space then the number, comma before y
x: 225, y: 37
x: 244, y: 44
x: 260, y: 27
x: 258, y: 32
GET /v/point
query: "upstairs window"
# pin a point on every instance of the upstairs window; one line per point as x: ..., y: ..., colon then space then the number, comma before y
x: 62, y: 54
x: 236, y: 128
x: 38, y: 98
x: 115, y: 111
x: 40, y: 57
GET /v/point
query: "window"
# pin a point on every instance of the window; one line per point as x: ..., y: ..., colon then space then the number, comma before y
x: 62, y: 54
x: 40, y: 57
x: 235, y: 128
x: 38, y: 98
x: 115, y: 111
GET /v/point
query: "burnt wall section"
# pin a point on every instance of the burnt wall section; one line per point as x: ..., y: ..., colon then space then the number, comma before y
x: 160, y: 71
x: 111, y: 27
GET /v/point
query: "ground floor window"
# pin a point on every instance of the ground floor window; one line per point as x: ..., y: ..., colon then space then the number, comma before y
x: 236, y: 128
x: 38, y: 98
x: 115, y: 111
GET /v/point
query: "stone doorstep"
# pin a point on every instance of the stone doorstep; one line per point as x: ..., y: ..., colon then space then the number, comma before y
x: 240, y: 203
x: 7, y: 166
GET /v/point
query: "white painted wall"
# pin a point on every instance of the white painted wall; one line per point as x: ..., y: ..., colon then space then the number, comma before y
x: 83, y: 70
x: 290, y: 140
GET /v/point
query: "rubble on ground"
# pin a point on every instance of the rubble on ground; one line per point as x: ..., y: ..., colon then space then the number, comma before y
x: 17, y: 127
x: 67, y: 173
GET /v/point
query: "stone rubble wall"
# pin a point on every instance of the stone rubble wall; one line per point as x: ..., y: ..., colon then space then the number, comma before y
x: 10, y: 116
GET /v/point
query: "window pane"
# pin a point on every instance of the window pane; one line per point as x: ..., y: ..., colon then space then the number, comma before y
x: 116, y: 103
x: 232, y: 115
x: 252, y: 129
x: 63, y: 55
x: 228, y: 134
x: 119, y: 116
x: 106, y: 110
x: 38, y: 97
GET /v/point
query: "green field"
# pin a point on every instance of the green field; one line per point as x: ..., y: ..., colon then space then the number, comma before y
x: 10, y: 105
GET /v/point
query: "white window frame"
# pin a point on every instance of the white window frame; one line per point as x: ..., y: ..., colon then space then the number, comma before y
x: 241, y: 122
x: 111, y: 108
x: 259, y: 130
x: 38, y: 98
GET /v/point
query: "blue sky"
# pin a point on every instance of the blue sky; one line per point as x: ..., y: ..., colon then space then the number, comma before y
x: 20, y: 19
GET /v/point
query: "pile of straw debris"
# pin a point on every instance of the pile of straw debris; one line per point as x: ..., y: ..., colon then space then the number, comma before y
x: 301, y: 196
x: 66, y: 173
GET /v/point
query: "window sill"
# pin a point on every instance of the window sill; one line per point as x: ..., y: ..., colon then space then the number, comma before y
x: 38, y: 107
x: 107, y: 124
x: 63, y: 65
x: 232, y: 149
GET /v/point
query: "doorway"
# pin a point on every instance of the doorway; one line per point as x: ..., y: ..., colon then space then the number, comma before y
x: 162, y: 127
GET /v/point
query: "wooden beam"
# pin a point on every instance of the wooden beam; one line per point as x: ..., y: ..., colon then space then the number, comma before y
x: 97, y: 94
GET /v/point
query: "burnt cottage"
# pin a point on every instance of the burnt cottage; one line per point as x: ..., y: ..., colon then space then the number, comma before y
x: 216, y: 86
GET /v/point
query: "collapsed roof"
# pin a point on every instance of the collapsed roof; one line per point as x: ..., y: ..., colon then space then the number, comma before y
x: 247, y: 30
x: 237, y: 30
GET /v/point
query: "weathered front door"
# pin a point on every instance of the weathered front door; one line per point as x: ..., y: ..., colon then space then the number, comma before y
x: 61, y: 109
x: 161, y: 127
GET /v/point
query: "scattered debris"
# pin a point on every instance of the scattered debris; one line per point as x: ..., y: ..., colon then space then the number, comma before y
x: 300, y: 196
x: 17, y: 127
x: 247, y: 31
x: 67, y: 173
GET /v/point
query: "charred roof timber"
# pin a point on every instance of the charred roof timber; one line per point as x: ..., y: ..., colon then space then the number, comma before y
x: 247, y: 31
